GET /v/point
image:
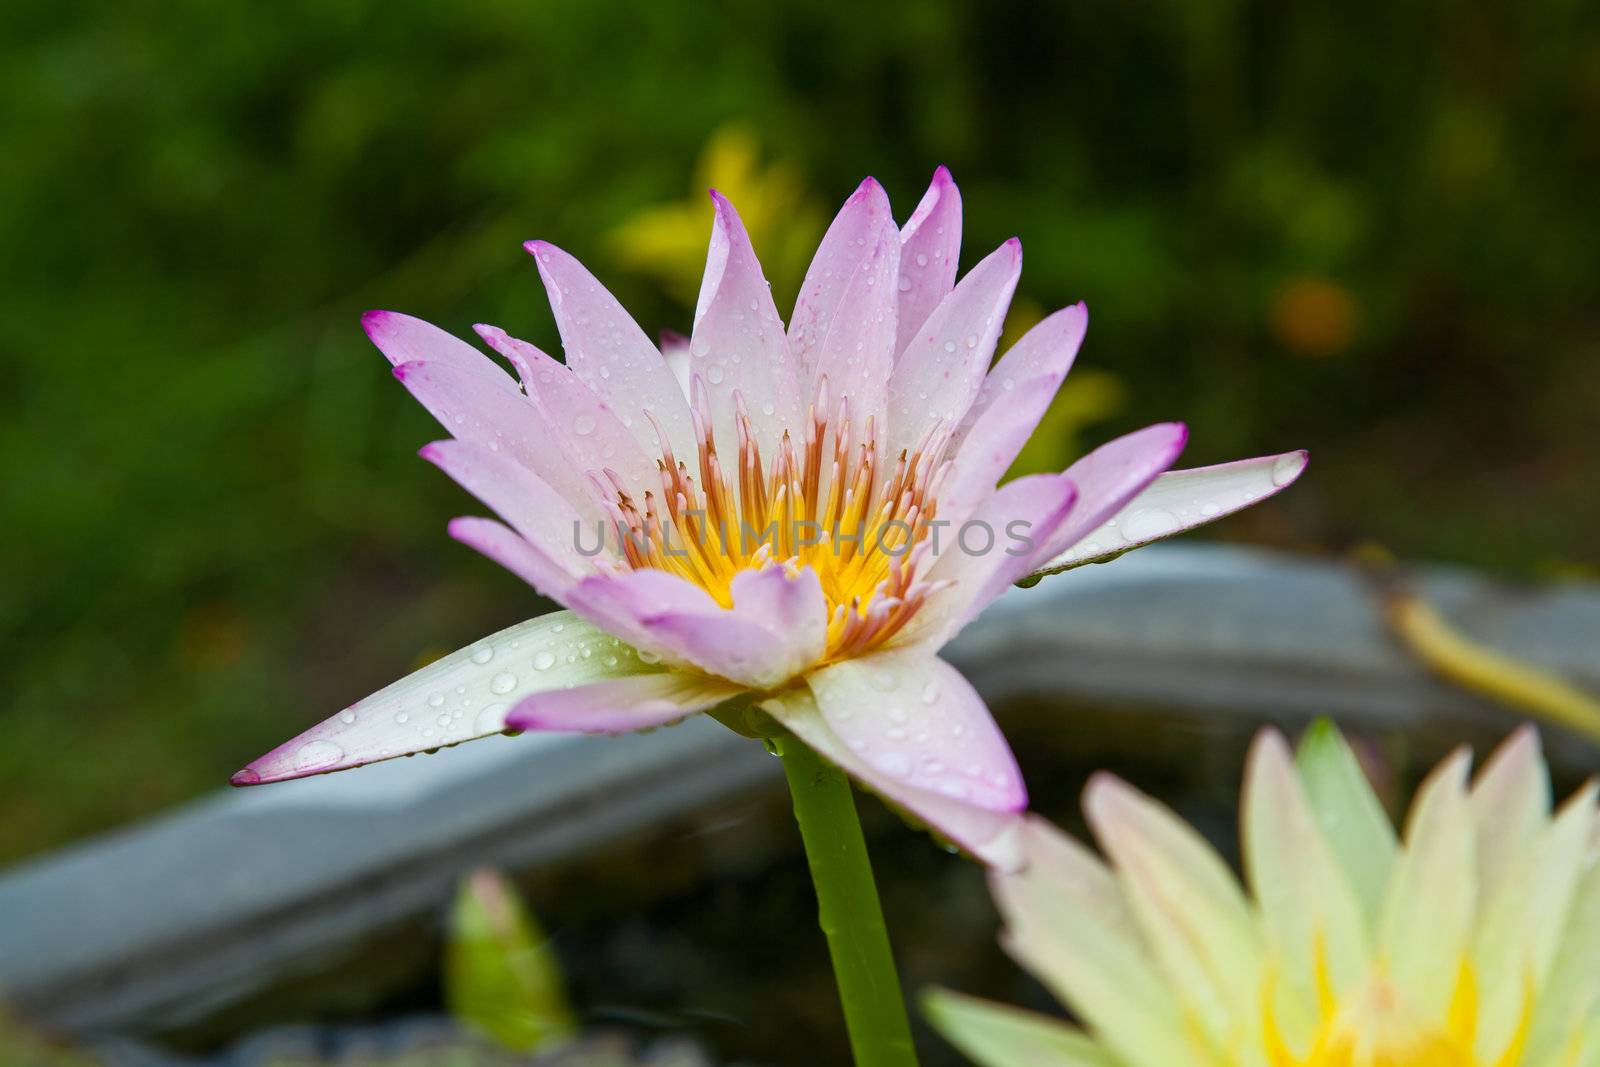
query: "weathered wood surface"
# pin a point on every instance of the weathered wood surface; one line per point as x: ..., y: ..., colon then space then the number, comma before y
x: 171, y: 921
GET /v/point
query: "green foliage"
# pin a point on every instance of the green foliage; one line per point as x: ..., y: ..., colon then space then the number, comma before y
x: 215, y: 529
x: 500, y: 976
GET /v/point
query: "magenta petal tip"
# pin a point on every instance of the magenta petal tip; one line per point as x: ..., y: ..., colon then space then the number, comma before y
x: 245, y: 777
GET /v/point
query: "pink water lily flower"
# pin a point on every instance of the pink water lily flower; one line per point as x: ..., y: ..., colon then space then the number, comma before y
x: 805, y: 514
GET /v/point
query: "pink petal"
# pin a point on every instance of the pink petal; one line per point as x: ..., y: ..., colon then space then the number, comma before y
x: 610, y: 353
x: 908, y: 726
x: 1175, y: 502
x: 499, y: 419
x: 858, y: 351
x: 738, y: 344
x: 791, y: 605
x: 404, y: 339
x: 989, y: 550
x: 1013, y: 399
x: 522, y: 498
x: 588, y: 431
x: 1112, y: 475
x: 941, y: 370
x: 679, y: 621
x: 851, y: 250
x: 675, y: 350
x: 458, y: 698
x: 619, y: 705
x: 509, y: 549
x: 930, y: 249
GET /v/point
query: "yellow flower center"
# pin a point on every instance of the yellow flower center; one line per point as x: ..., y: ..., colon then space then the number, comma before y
x: 1376, y: 1025
x: 824, y: 504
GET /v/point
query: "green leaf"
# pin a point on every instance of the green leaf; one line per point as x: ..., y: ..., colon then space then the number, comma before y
x: 500, y: 975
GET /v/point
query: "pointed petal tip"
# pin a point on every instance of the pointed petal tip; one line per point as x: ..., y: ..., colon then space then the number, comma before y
x: 941, y: 175
x: 1105, y: 796
x: 244, y: 777
x: 374, y: 320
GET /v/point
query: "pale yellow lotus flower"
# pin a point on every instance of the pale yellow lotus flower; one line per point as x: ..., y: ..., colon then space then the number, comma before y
x: 1475, y: 942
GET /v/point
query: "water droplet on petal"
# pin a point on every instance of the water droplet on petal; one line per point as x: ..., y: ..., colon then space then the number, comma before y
x: 922, y: 261
x: 544, y: 661
x: 503, y: 682
x: 492, y: 719
x: 646, y: 656
x: 949, y: 346
x: 583, y: 425
x: 930, y: 692
x: 1149, y: 524
x: 892, y: 762
x: 714, y: 373
x: 482, y: 655
x: 436, y: 700
x: 905, y: 285
x: 347, y: 717
x: 317, y: 754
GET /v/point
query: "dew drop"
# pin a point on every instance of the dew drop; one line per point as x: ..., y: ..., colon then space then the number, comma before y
x: 905, y: 285
x: 347, y: 717
x: 1149, y: 524
x: 492, y: 719
x: 646, y: 656
x: 503, y: 682
x: 403, y: 718
x: 1285, y: 469
x: 482, y: 655
x: 1209, y: 508
x: 972, y: 340
x: 436, y: 700
x: 895, y: 763
x: 544, y: 661
x: 930, y: 692
x: 317, y: 754
x: 922, y: 260
x: 949, y: 346
x: 714, y: 373
x: 583, y: 425
x: 768, y: 408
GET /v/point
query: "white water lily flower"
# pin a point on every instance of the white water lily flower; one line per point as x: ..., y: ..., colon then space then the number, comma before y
x: 762, y: 514
x: 1475, y: 942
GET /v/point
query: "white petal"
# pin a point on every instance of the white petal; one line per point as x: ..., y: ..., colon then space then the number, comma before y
x: 1188, y: 903
x: 458, y: 698
x: 997, y: 1035
x: 1067, y: 923
x: 1178, y: 501
x: 1352, y: 819
x: 1427, y: 915
x: 1309, y: 912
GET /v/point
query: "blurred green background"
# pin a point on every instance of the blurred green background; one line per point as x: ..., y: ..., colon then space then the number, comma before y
x: 1368, y: 229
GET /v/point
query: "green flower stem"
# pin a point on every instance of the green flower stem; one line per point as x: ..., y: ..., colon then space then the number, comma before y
x: 848, y: 909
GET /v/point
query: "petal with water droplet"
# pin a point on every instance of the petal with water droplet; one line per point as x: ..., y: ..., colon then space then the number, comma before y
x: 738, y: 343
x: 930, y: 252
x: 606, y: 348
x: 451, y: 700
x: 618, y: 705
x: 946, y: 763
x: 1171, y: 503
x: 939, y: 374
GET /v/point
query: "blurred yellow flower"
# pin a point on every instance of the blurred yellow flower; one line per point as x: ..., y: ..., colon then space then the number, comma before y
x: 1473, y: 941
x: 668, y: 242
